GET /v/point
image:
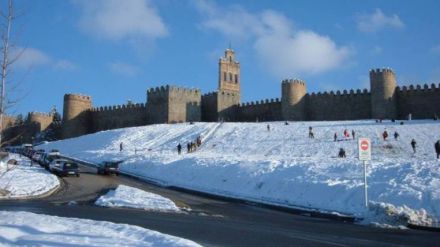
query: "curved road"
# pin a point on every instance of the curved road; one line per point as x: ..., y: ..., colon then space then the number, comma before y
x: 213, y: 222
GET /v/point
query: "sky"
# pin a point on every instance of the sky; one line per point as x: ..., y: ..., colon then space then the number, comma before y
x: 114, y: 50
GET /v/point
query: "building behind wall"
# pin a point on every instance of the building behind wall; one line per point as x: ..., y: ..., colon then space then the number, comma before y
x: 170, y: 104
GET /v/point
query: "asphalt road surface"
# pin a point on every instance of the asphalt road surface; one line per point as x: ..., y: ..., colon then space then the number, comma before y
x: 214, y: 222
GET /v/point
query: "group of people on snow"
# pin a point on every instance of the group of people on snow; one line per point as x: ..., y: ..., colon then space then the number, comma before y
x: 346, y: 135
x: 190, y: 146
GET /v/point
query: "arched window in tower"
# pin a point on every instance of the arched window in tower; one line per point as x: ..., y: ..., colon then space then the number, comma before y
x: 236, y: 78
x: 225, y: 76
x: 230, y: 77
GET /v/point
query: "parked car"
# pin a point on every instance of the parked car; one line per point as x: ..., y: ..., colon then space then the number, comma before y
x: 47, y: 158
x: 37, y: 155
x: 109, y: 167
x: 63, y: 167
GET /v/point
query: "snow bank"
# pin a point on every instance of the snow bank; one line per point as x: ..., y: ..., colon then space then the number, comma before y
x: 23, y: 180
x: 280, y: 166
x: 29, y: 229
x: 125, y: 196
x: 389, y: 216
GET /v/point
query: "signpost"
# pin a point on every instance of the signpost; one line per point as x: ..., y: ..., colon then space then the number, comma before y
x: 364, y: 146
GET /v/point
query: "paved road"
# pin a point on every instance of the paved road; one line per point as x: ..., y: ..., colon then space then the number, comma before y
x: 212, y: 222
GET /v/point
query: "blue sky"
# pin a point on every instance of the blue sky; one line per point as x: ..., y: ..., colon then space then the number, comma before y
x: 114, y: 50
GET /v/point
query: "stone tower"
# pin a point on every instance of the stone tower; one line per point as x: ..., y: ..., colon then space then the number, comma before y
x: 41, y: 120
x: 383, y: 98
x: 229, y: 73
x: 228, y: 96
x: 76, y: 119
x: 293, y: 105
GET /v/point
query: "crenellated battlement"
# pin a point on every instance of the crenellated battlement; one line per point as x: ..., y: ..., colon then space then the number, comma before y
x: 379, y: 71
x: 78, y: 97
x: 210, y: 94
x: 344, y: 93
x: 39, y: 114
x: 294, y: 81
x: 119, y: 107
x: 261, y: 102
x: 417, y: 88
x: 168, y: 88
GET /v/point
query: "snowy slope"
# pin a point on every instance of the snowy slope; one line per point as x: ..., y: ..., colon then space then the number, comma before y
x: 281, y: 166
x: 29, y: 229
x: 126, y: 196
x: 23, y: 180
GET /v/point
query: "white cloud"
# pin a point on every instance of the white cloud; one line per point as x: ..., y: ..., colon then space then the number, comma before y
x: 279, y: 47
x: 376, y: 21
x: 117, y: 20
x: 27, y: 58
x: 123, y: 69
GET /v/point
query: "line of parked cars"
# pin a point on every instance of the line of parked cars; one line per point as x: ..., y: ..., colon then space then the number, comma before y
x: 51, y: 161
x: 56, y: 164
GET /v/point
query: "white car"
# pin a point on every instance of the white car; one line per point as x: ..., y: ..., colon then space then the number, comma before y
x: 56, y: 164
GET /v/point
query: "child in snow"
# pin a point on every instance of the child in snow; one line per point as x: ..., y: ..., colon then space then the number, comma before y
x: 396, y: 135
x: 385, y: 135
x: 413, y: 145
x: 199, y: 141
x: 179, y: 148
x: 353, y: 134
x: 341, y: 153
x: 335, y: 136
x: 346, y: 134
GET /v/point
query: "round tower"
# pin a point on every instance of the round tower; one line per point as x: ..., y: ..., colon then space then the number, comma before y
x: 293, y: 103
x: 383, y: 99
x: 42, y: 120
x: 76, y: 119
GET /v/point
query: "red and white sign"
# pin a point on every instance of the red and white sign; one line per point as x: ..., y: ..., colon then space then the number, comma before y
x: 364, y: 149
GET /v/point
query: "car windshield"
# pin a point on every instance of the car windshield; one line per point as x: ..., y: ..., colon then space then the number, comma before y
x: 52, y: 157
x: 70, y: 165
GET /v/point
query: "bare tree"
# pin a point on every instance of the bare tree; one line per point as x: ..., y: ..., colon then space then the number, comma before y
x: 9, y: 55
x: 6, y: 62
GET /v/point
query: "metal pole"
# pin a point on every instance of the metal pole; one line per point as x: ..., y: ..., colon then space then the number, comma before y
x: 365, y: 184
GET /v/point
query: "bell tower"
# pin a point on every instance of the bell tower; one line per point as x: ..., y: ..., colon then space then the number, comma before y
x: 229, y: 73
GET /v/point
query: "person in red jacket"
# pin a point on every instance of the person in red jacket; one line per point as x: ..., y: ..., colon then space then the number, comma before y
x: 385, y: 135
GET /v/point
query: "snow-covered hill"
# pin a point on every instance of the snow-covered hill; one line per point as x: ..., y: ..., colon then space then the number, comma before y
x: 281, y: 166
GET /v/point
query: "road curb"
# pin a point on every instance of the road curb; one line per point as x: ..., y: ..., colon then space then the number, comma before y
x: 44, y: 195
x: 293, y: 210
